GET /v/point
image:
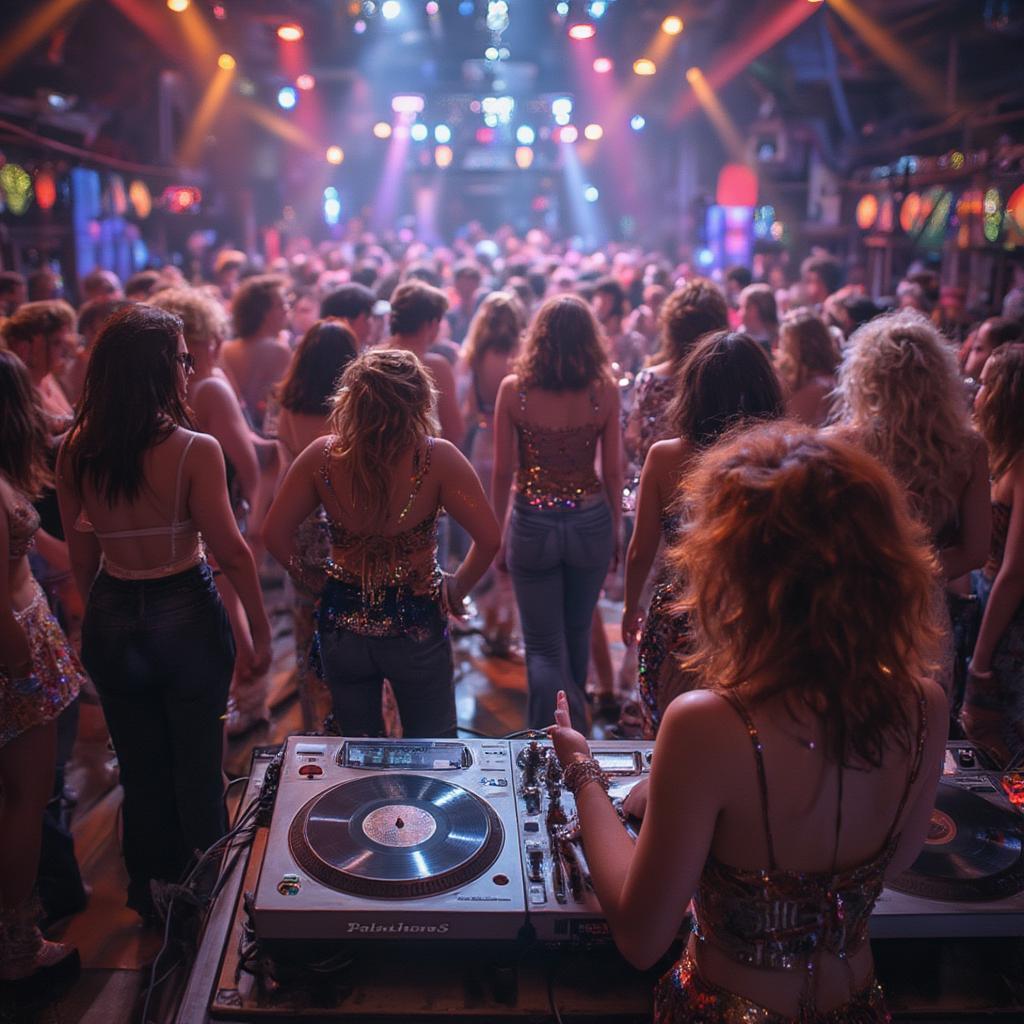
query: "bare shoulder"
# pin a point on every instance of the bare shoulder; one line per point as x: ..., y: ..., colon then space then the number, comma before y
x: 701, y: 719
x: 444, y: 454
x: 668, y: 454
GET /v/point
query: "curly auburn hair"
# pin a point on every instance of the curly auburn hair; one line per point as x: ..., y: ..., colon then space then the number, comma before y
x: 384, y: 407
x: 695, y: 309
x: 900, y: 392
x: 46, y: 317
x: 564, y: 348
x: 497, y: 326
x: 806, y: 349
x: 807, y: 578
x: 997, y: 411
x: 24, y: 438
x: 204, y: 320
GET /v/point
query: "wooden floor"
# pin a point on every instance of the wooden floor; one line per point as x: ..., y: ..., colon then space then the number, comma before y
x: 116, y: 949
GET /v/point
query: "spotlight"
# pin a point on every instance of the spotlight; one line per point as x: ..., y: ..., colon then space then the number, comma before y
x: 418, y: 133
x: 603, y: 65
x: 226, y: 62
x: 597, y: 8
x: 290, y: 32
x: 407, y: 104
x: 582, y: 30
x: 562, y: 107
x: 692, y: 75
x: 335, y: 155
x: 672, y: 25
x: 568, y: 134
x: 591, y: 194
x: 443, y: 156
x: 637, y: 122
x: 593, y: 132
x: 706, y: 258
x: 391, y: 9
x: 359, y: 27
x: 382, y: 130
x: 286, y: 97
x: 524, y: 157
x: 305, y: 82
x: 442, y: 134
x: 178, y: 5
x: 466, y: 8
x: 562, y: 8
x: 485, y: 136
x: 645, y: 67
x: 525, y: 135
x: 433, y: 9
x: 332, y: 205
x: 491, y: 53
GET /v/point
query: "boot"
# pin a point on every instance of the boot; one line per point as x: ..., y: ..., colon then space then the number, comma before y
x: 27, y: 960
x: 983, y: 718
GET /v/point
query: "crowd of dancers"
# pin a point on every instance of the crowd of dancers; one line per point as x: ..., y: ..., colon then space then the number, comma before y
x: 810, y: 500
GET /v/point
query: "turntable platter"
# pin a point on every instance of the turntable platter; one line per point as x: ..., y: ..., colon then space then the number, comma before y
x: 974, y: 850
x: 395, y: 836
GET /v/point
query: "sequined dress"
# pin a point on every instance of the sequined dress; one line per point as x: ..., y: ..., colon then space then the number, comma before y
x: 382, y: 585
x: 1008, y: 656
x: 782, y: 920
x: 57, y: 674
x: 664, y: 635
x: 644, y: 424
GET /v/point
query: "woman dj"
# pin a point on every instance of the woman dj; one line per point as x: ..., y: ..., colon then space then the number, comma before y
x: 805, y: 772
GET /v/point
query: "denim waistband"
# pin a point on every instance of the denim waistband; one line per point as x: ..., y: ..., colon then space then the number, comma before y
x: 198, y: 576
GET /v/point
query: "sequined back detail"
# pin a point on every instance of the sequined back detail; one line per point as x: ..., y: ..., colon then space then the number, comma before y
x: 384, y: 567
x: 997, y: 546
x: 556, y: 465
x: 783, y: 920
x: 684, y: 996
x: 22, y: 524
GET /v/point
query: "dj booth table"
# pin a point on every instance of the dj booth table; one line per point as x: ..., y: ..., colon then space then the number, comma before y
x: 926, y: 980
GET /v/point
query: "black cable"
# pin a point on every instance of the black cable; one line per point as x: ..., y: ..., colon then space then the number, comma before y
x: 551, y: 995
x: 151, y: 987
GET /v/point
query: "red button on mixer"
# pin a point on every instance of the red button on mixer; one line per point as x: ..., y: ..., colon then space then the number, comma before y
x: 310, y: 770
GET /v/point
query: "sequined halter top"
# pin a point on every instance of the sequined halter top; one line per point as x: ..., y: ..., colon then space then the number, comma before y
x: 784, y: 920
x: 556, y: 464
x: 377, y: 561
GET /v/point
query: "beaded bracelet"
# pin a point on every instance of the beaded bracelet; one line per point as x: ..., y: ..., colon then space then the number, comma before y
x: 581, y: 771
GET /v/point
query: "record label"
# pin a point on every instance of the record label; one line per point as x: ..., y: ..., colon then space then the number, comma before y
x: 399, y: 825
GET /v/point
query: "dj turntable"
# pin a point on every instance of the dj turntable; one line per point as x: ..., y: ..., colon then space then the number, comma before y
x: 392, y: 839
x: 969, y: 878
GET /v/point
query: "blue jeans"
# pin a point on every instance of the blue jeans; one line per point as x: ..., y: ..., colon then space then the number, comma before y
x: 161, y: 655
x: 558, y: 559
x: 418, y: 665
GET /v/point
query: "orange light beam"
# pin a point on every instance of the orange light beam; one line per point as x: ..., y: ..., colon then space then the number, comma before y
x: 199, y: 36
x: 741, y: 56
x: 717, y: 114
x: 913, y: 71
x: 191, y: 149
x: 280, y: 127
x: 41, y: 21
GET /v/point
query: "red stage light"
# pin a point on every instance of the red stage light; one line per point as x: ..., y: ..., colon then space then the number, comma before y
x: 290, y: 32
x: 180, y: 198
x: 485, y: 136
x: 603, y: 65
x: 305, y: 82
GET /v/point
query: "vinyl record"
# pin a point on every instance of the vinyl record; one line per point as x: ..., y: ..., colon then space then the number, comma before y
x: 395, y: 836
x: 974, y: 850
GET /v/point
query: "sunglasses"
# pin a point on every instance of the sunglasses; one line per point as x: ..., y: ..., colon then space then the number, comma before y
x: 185, y: 361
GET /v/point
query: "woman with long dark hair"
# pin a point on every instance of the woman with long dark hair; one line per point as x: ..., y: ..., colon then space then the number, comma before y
x: 725, y: 381
x: 383, y: 477
x: 802, y: 774
x: 306, y: 397
x: 137, y: 488
x: 556, y: 415
x: 39, y: 677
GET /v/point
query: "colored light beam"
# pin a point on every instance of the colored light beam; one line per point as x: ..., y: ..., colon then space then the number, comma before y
x: 279, y: 126
x: 919, y: 77
x: 717, y: 115
x: 385, y: 206
x: 586, y: 216
x: 191, y: 149
x: 739, y: 57
x: 41, y: 21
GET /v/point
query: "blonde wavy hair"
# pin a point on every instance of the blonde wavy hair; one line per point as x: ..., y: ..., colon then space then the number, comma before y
x: 498, y: 326
x: 205, y: 321
x: 384, y: 406
x: 900, y: 392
